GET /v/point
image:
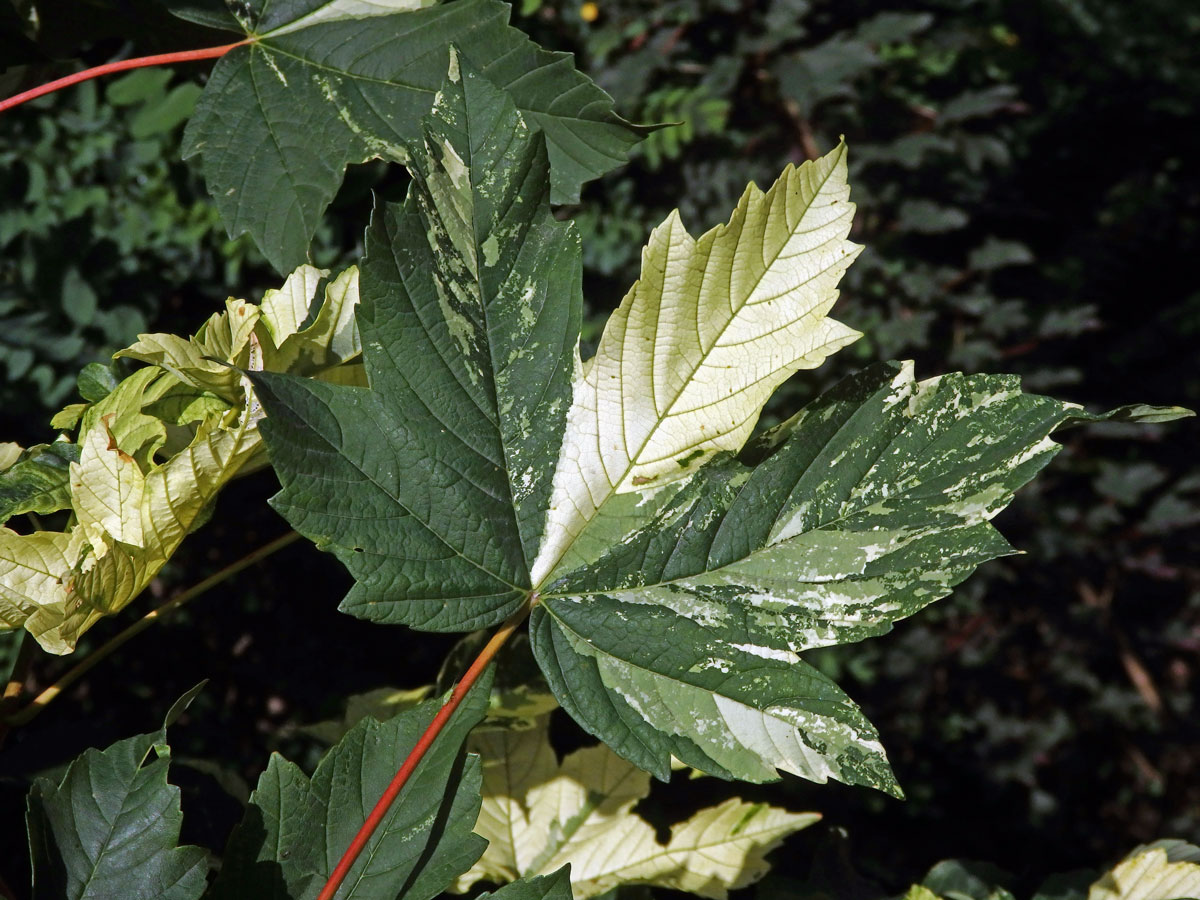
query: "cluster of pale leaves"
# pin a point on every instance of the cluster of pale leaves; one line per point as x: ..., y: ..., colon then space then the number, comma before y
x: 154, y: 452
x: 541, y: 812
x: 1164, y: 870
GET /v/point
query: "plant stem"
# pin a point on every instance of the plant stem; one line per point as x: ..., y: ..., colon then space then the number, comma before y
x: 42, y: 700
x: 486, y: 655
x: 20, y: 670
x: 162, y: 59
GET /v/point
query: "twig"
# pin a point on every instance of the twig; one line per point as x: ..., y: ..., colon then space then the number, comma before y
x: 342, y: 869
x: 42, y: 700
x: 20, y: 671
x: 162, y: 59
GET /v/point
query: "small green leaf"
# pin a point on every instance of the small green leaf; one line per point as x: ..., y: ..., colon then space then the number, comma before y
x: 96, y: 381
x: 556, y: 886
x: 78, y: 299
x: 296, y: 828
x: 111, y: 828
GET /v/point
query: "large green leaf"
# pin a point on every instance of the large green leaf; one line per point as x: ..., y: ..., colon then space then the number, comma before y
x: 674, y: 585
x: 37, y: 480
x: 296, y: 828
x: 323, y: 85
x: 870, y: 504
x: 111, y: 827
x: 469, y: 318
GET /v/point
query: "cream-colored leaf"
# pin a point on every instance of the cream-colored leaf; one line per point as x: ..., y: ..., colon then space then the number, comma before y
x: 107, y: 488
x: 68, y: 417
x: 9, y: 454
x: 159, y: 447
x: 332, y: 337
x: 717, y: 850
x: 32, y: 569
x: 176, y: 497
x: 1164, y: 870
x: 133, y: 430
x: 283, y: 310
x: 224, y: 337
x: 700, y: 342
x: 539, y: 815
x: 337, y: 10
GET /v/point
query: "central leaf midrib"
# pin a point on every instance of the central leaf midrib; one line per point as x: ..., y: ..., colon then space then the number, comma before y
x: 483, y: 308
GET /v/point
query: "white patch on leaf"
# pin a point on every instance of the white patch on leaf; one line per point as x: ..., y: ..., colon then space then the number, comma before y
x: 700, y: 343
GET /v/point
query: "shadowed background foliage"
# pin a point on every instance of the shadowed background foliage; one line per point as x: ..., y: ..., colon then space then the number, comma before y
x: 1030, y: 201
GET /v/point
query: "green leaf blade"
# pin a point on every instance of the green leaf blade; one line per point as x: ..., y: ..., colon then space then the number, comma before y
x: 282, y: 118
x: 745, y: 713
x: 297, y: 828
x: 110, y: 829
x: 867, y: 506
x: 38, y: 481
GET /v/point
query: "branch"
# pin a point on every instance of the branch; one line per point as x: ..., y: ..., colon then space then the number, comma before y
x: 42, y: 700
x: 162, y: 59
x: 342, y: 869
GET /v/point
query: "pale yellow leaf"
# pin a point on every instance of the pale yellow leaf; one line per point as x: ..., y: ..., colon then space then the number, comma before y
x: 107, y: 488
x: 9, y: 454
x: 539, y: 815
x: 1164, y: 870
x: 32, y: 569
x: 332, y: 337
x: 197, y: 361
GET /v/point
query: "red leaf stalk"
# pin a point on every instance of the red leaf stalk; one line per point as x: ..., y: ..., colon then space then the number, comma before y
x: 342, y: 869
x: 162, y: 59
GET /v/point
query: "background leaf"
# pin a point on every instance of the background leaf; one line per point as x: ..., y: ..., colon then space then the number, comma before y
x: 296, y: 829
x: 281, y: 118
x: 111, y: 827
x: 539, y: 813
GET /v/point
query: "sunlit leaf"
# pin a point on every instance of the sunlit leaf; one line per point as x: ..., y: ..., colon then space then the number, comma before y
x: 110, y: 828
x: 539, y: 814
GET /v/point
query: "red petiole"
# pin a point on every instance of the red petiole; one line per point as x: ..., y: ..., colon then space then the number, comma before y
x: 486, y: 655
x: 162, y: 59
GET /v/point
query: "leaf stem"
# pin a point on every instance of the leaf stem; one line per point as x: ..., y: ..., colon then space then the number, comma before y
x: 162, y: 59
x: 486, y: 655
x: 42, y: 700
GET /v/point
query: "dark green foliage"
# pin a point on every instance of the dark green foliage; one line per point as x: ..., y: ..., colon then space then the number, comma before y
x: 111, y: 827
x: 100, y: 227
x: 1030, y: 201
x: 1029, y: 197
x: 296, y: 828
